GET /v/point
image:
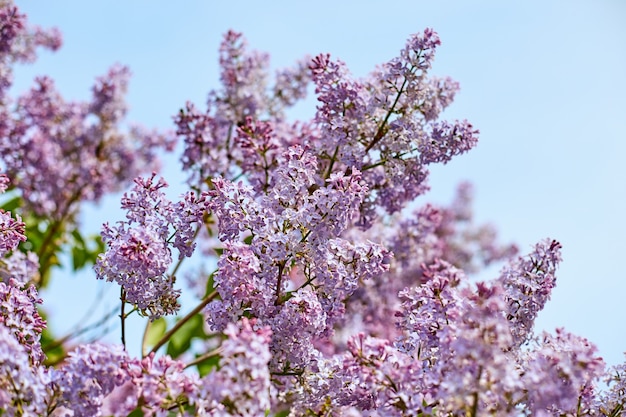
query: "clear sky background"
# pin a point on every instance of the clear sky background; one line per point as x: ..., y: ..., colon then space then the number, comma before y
x: 544, y: 81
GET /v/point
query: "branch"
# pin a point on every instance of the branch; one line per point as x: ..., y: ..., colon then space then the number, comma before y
x: 181, y: 322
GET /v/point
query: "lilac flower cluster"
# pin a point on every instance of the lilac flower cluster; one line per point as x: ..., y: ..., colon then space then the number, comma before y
x: 98, y: 157
x: 89, y: 374
x: 11, y: 232
x: 11, y: 229
x: 241, y: 386
x: 22, y: 384
x: 219, y: 141
x: 328, y: 298
x: 294, y: 230
x: 139, y: 249
x: 528, y: 283
x: 19, y: 315
x: 18, y: 43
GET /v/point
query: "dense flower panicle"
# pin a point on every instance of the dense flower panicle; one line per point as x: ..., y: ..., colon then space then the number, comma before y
x: 11, y: 232
x: 295, y: 174
x: 528, y: 283
x: 90, y: 373
x: 19, y: 41
x: 241, y: 386
x: 258, y: 146
x: 438, y: 96
x: 613, y: 399
x: 291, y: 85
x: 19, y: 315
x: 156, y: 386
x: 211, y: 148
x: 567, y: 369
x: 21, y: 267
x: 244, y: 78
x: 205, y: 138
x: 242, y: 290
x: 4, y: 183
x: 139, y: 250
x: 98, y: 157
x: 427, y: 309
x: 371, y: 378
x: 475, y: 369
x: 447, y: 141
x: 23, y: 385
x: 235, y: 208
x: 340, y: 114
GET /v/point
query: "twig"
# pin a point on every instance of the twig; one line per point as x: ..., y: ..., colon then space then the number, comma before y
x: 182, y: 321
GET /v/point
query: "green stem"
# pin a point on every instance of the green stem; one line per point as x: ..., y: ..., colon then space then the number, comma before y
x: 123, y: 316
x: 180, y: 323
x: 381, y: 129
x: 211, y: 354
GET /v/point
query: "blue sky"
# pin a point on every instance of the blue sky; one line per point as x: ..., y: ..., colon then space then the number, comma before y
x: 544, y: 81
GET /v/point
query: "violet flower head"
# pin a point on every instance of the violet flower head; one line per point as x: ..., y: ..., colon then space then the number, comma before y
x: 259, y: 149
x: 19, y: 41
x: 19, y: 315
x: 241, y: 386
x: 420, y: 48
x: 11, y: 232
x: 241, y: 287
x: 11, y: 229
x: 4, y: 183
x: 474, y: 368
x: 244, y: 77
x: 88, y: 375
x: 99, y: 157
x: 291, y: 84
x: 447, y: 141
x: 528, y: 283
x: 156, y: 384
x: 21, y: 267
x: 427, y: 310
x: 139, y: 250
x: 341, y: 112
x: 23, y: 385
x: 567, y: 369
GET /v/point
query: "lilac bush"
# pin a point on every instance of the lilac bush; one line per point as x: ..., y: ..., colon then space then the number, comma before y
x: 332, y: 292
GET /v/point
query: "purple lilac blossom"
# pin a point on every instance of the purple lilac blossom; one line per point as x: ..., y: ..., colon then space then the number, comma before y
x: 528, y: 284
x: 211, y: 149
x: 139, y: 250
x: 567, y: 369
x: 613, y: 399
x: 98, y: 156
x: 89, y: 374
x: 21, y: 267
x: 23, y: 384
x: 157, y: 385
x: 475, y: 370
x: 241, y: 386
x: 19, y: 315
x: 11, y: 232
x: 18, y: 43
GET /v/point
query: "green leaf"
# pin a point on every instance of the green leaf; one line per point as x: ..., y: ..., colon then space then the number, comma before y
x: 155, y: 332
x: 205, y: 367
x: 85, y: 251
x: 136, y: 413
x: 210, y: 285
x: 180, y: 341
x: 12, y: 204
